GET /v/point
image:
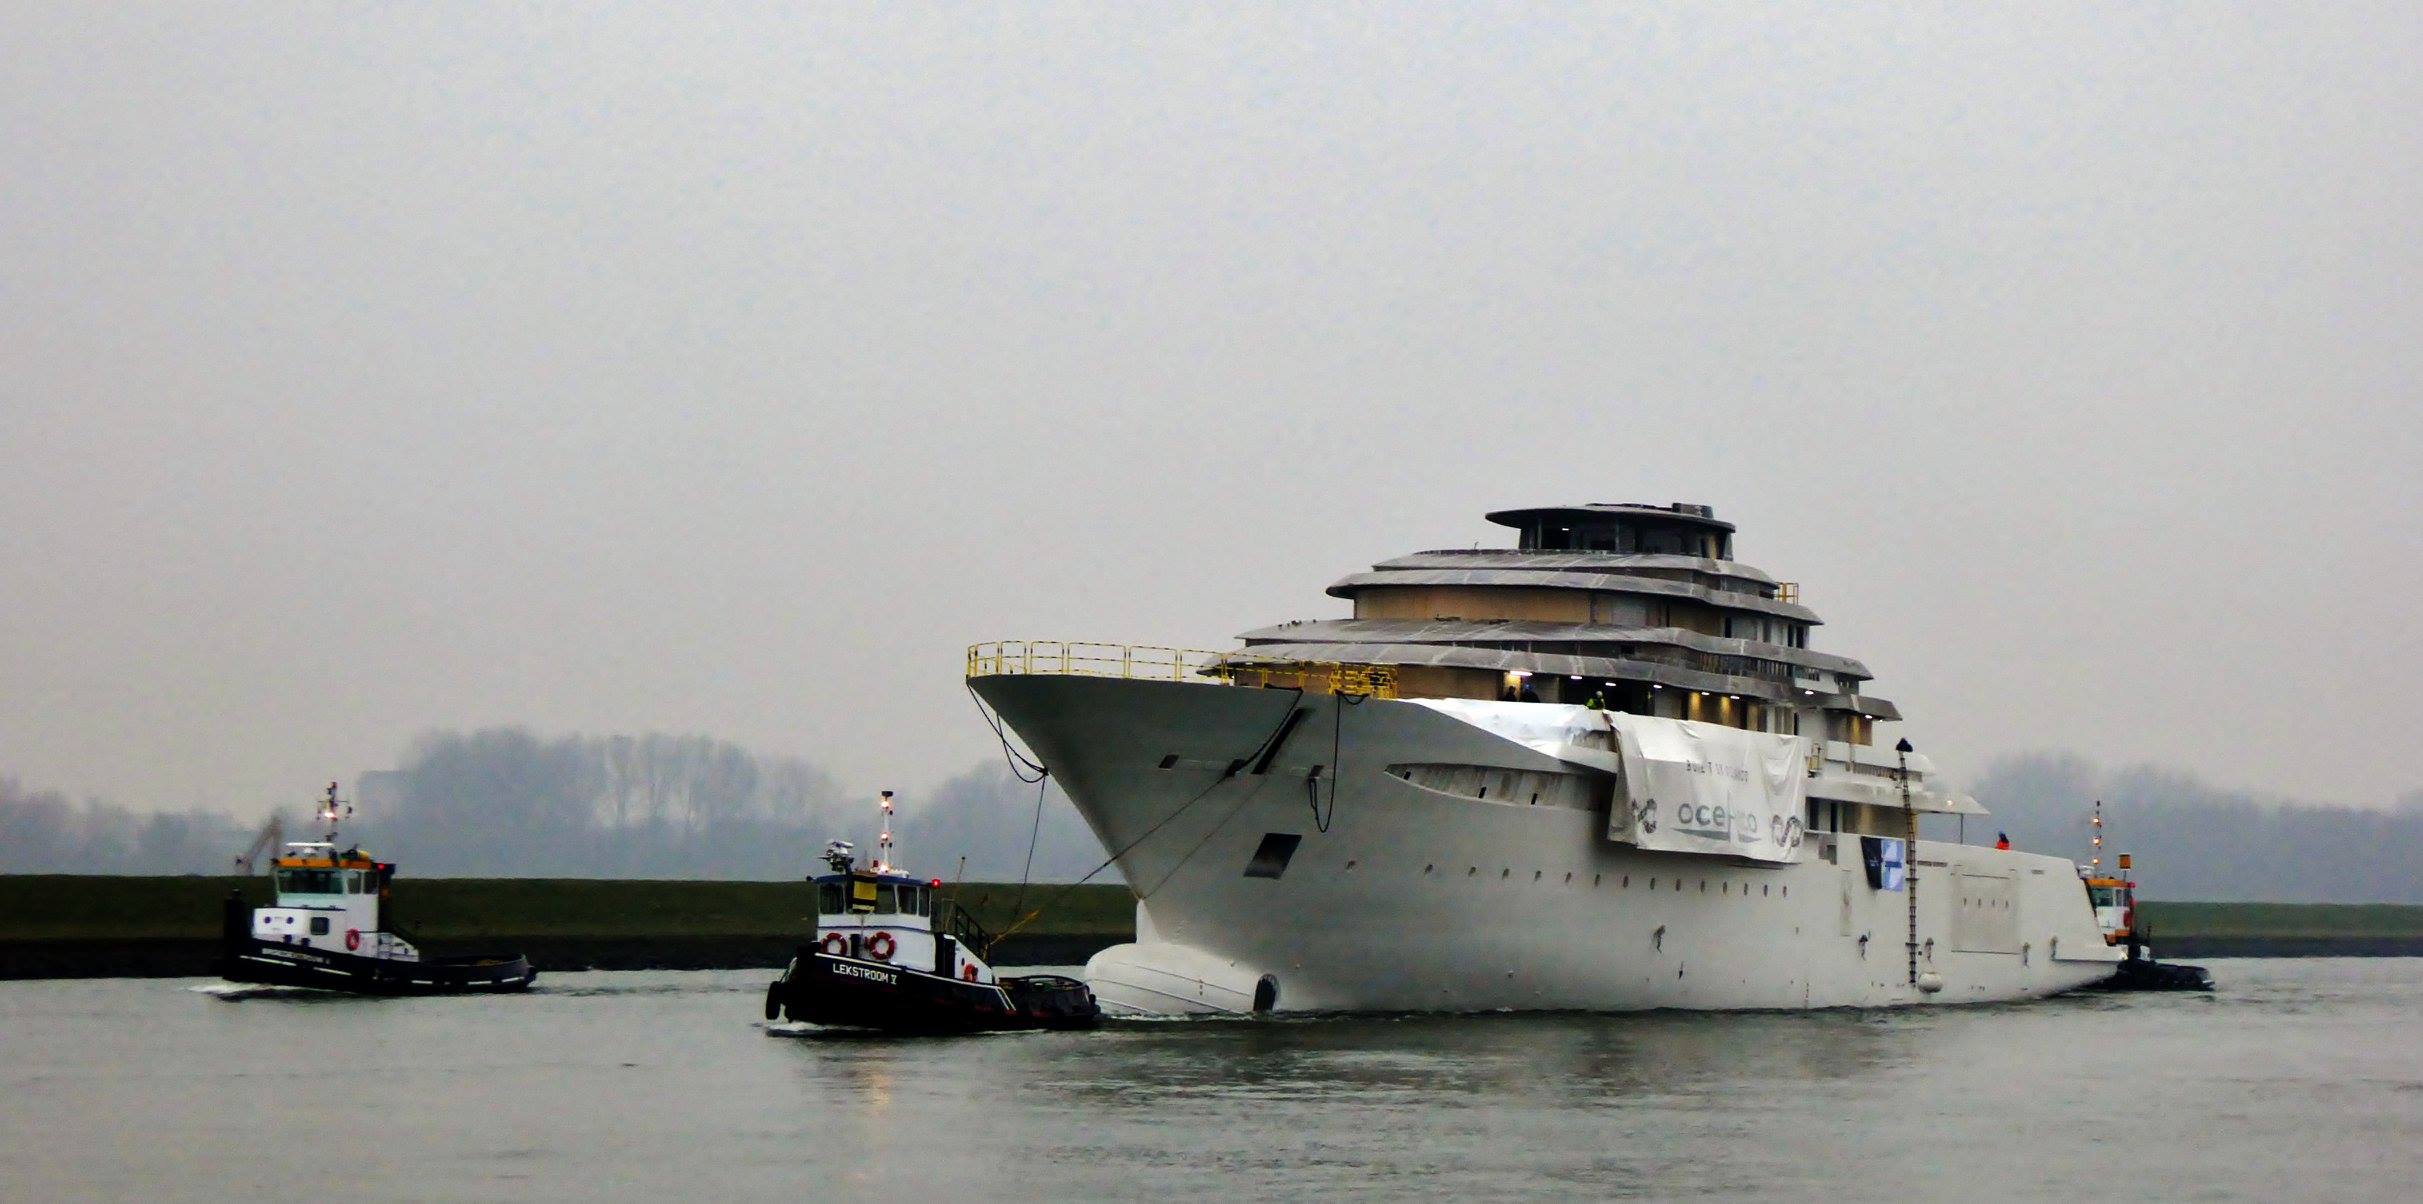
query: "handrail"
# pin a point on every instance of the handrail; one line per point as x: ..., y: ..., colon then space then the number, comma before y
x: 1153, y: 663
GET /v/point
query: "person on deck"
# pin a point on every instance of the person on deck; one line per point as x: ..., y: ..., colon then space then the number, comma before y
x: 2002, y: 840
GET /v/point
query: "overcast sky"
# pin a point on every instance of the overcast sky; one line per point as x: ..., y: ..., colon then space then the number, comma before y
x: 718, y: 369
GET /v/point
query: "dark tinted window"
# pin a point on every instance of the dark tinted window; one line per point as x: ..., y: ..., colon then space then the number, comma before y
x: 1271, y: 857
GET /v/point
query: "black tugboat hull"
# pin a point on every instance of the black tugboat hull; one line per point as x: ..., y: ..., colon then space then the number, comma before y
x: 2145, y: 974
x: 846, y: 992
x: 272, y: 963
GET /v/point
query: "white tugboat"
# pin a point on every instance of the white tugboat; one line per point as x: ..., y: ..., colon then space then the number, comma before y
x: 892, y: 953
x: 330, y: 929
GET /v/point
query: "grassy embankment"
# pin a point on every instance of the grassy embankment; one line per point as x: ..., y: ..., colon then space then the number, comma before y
x: 72, y: 926
x: 2286, y: 921
x: 63, y: 926
x: 64, y: 907
x: 61, y: 907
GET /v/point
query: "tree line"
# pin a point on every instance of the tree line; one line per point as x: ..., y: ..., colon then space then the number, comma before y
x: 2196, y: 840
x: 510, y: 803
x: 506, y: 802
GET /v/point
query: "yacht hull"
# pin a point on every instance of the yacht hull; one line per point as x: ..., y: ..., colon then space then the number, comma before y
x: 1279, y: 865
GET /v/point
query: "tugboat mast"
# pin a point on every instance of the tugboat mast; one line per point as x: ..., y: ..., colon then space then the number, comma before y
x: 329, y: 803
x: 883, y: 842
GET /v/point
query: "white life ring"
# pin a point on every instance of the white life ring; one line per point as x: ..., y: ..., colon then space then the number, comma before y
x: 879, y: 946
x: 834, y: 945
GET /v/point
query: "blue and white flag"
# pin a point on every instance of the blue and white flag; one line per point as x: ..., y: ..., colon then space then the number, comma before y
x: 1893, y: 870
x: 1886, y: 865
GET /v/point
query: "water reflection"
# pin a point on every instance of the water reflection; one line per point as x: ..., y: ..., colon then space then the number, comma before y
x: 1447, y: 1058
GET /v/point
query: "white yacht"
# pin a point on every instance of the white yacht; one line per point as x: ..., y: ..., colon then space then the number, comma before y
x: 1602, y: 769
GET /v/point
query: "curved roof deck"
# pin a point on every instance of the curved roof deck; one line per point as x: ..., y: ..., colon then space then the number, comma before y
x: 1599, y: 513
x: 1603, y: 582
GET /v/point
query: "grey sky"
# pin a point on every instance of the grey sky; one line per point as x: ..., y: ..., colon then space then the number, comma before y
x: 729, y: 369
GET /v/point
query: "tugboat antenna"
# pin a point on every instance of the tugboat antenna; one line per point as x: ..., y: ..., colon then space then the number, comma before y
x: 883, y: 842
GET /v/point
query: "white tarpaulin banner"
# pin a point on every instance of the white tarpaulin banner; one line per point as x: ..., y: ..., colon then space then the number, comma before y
x: 1704, y: 788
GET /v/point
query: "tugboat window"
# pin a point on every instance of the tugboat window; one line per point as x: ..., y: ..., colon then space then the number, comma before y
x: 828, y: 898
x: 884, y: 898
x: 319, y: 925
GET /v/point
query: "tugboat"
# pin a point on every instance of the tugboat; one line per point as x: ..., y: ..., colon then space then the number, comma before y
x: 891, y: 952
x: 330, y: 930
x: 2115, y: 901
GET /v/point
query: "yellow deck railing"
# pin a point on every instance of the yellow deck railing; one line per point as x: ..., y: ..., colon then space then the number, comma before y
x: 1145, y: 662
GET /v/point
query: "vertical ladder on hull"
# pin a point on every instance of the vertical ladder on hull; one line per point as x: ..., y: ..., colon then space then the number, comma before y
x: 1909, y: 855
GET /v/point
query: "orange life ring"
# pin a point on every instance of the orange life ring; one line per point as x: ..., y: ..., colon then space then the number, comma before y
x: 968, y: 972
x: 879, y: 946
x: 834, y: 945
x: 353, y: 938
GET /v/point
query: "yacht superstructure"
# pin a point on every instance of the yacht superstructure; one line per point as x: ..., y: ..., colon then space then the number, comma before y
x: 1600, y: 769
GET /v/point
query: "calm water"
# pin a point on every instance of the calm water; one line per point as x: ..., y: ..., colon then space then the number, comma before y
x: 2301, y: 1079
